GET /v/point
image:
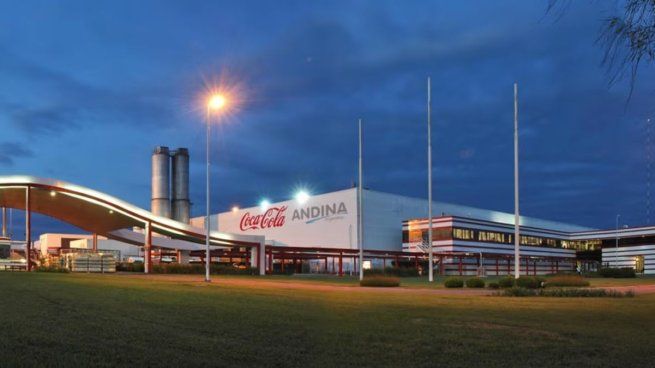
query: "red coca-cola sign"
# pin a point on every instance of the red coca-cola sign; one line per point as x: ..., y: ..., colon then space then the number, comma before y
x: 273, y: 217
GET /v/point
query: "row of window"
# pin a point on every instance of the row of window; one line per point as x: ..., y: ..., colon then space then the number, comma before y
x: 486, y: 236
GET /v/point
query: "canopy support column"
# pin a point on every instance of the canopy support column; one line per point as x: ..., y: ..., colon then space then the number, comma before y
x: 340, y: 263
x: 147, y: 249
x: 261, y: 257
x: 28, y: 228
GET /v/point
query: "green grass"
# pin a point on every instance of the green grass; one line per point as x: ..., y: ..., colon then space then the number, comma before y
x: 77, y: 320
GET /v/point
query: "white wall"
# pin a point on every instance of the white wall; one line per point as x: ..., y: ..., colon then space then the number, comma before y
x: 51, y: 240
x: 383, y: 216
x: 325, y: 220
x: 126, y: 250
x: 625, y: 257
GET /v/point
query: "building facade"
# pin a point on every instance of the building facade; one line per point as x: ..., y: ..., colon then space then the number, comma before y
x: 542, y: 250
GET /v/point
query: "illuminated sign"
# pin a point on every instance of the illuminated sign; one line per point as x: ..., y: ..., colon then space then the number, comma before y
x: 273, y: 217
x: 276, y: 216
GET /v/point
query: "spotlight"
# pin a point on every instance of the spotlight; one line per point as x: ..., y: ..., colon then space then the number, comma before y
x: 302, y: 196
x: 264, y: 204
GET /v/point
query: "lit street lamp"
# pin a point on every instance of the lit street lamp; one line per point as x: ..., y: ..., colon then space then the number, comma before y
x: 216, y: 103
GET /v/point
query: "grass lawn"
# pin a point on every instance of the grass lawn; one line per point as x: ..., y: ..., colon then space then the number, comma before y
x: 77, y: 320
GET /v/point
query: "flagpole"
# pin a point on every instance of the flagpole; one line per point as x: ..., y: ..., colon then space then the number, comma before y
x: 430, y: 253
x: 360, y: 230
x: 517, y: 235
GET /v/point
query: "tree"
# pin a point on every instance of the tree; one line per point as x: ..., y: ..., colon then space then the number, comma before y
x: 628, y: 38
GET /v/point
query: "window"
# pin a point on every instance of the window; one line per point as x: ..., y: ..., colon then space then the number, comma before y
x: 639, y: 264
x: 463, y: 234
x: 490, y: 236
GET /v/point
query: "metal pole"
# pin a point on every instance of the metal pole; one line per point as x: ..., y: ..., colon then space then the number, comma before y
x: 360, y: 229
x: 207, y: 224
x: 430, y: 252
x: 147, y: 248
x: 517, y: 235
x: 28, y: 229
x: 617, y: 234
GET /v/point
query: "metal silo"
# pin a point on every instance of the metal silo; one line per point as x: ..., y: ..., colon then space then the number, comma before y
x: 160, y: 203
x: 181, y: 203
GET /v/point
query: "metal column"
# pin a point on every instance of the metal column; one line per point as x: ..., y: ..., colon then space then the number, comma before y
x: 28, y: 229
x: 261, y: 258
x: 517, y: 218
x: 147, y: 249
x: 340, y: 263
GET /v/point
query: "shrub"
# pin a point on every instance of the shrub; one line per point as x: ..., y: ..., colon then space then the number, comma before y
x: 517, y: 291
x: 506, y: 282
x: 453, y: 282
x: 529, y: 282
x: 617, y: 273
x: 187, y: 269
x: 393, y: 271
x: 585, y: 293
x: 566, y: 281
x: 565, y: 293
x: 380, y: 281
x: 475, y: 282
x: 130, y: 267
x: 52, y: 268
x: 493, y: 285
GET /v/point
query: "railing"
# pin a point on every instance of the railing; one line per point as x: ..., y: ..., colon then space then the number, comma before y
x: 13, y: 265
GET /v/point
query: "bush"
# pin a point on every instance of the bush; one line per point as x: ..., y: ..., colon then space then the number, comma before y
x: 585, y: 293
x: 380, y: 281
x: 617, y: 273
x: 130, y: 267
x: 187, y: 269
x: 566, y: 281
x: 52, y: 268
x: 453, y: 282
x: 506, y: 282
x: 565, y: 293
x: 393, y: 271
x: 517, y: 291
x: 475, y: 282
x: 493, y: 285
x: 529, y: 282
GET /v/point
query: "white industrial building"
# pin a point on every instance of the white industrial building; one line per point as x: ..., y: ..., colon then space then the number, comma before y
x: 330, y: 220
x: 323, y: 229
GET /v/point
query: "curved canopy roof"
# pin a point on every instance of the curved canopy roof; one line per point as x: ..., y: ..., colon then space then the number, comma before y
x: 103, y: 214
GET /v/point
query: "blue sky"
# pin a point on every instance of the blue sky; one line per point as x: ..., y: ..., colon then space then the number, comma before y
x: 89, y: 88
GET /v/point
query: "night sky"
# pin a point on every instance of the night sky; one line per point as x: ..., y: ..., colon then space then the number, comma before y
x: 89, y: 88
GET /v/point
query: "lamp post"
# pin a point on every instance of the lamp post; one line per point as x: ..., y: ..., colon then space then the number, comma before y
x: 215, y: 103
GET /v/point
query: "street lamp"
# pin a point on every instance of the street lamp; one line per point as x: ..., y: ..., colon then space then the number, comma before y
x: 215, y: 103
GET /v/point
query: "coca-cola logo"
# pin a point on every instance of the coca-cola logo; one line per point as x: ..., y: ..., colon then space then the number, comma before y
x: 273, y: 217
